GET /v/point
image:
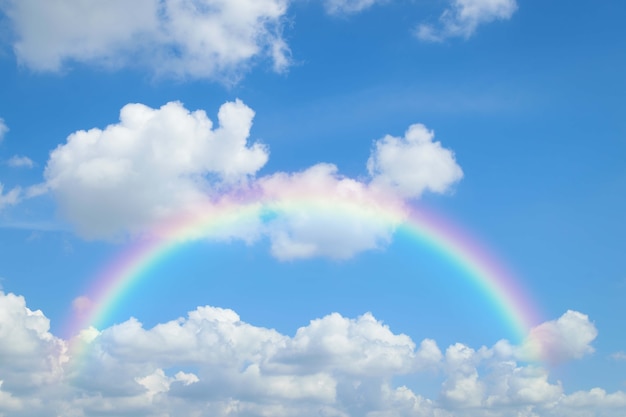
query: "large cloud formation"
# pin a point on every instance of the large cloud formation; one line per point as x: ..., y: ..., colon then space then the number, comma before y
x: 211, y: 363
x: 131, y: 176
x: 181, y: 38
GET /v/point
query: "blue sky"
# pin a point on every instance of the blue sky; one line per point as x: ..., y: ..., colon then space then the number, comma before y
x: 505, y: 117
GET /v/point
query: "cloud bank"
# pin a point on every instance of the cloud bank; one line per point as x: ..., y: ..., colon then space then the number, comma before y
x: 211, y: 363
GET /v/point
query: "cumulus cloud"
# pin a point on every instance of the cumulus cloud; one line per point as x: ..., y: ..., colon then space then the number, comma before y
x: 211, y: 363
x: 153, y: 163
x: 412, y: 164
x: 322, y: 226
x: 462, y: 18
x: 568, y: 337
x: 182, y: 38
x: 20, y: 162
x: 156, y: 165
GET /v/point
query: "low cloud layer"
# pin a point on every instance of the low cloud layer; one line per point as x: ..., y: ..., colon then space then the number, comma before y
x: 211, y: 363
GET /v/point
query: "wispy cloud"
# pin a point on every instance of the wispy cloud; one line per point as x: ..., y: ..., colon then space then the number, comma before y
x: 3, y: 129
x: 463, y: 17
x: 20, y: 162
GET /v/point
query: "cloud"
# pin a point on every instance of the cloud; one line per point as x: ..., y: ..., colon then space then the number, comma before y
x: 337, y: 7
x: 153, y: 163
x: 181, y: 38
x: 3, y: 129
x: 568, y: 337
x: 20, y: 162
x: 619, y: 356
x: 156, y: 165
x: 213, y: 363
x: 322, y: 227
x: 462, y: 18
x: 11, y: 197
x: 413, y: 164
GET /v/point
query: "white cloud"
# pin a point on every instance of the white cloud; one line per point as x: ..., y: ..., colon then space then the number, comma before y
x: 211, y: 363
x: 20, y: 162
x: 182, y: 38
x: 568, y: 337
x: 3, y: 129
x: 11, y: 197
x: 336, y: 7
x: 153, y: 163
x: 159, y: 164
x: 413, y: 164
x: 463, y: 17
x: 320, y: 225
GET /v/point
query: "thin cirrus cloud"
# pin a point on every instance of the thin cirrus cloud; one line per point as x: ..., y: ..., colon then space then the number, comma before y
x: 157, y: 163
x: 462, y: 18
x: 334, y: 366
x: 180, y: 38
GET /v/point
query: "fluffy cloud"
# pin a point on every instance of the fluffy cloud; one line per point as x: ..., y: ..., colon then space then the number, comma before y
x: 211, y: 363
x: 151, y: 164
x: 32, y: 358
x: 413, y: 164
x: 463, y: 17
x: 183, y: 38
x: 312, y: 217
x: 159, y: 164
x: 568, y: 337
x: 20, y: 162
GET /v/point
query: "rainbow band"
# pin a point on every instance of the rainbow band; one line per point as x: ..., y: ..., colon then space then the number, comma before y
x: 499, y: 287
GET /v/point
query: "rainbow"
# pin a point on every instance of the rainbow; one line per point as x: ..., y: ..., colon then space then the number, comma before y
x: 500, y: 288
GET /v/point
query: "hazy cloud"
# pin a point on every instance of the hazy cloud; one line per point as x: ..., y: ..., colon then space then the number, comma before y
x: 462, y: 18
x: 20, y: 162
x: 349, y: 6
x: 3, y: 129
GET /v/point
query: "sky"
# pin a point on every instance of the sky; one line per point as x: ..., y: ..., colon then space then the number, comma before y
x: 333, y: 208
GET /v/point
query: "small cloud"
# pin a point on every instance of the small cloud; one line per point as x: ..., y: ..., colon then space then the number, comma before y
x: 412, y: 164
x: 81, y: 305
x: 619, y: 356
x: 462, y: 18
x: 568, y: 337
x: 20, y: 162
x: 3, y: 129
x: 11, y: 197
x: 339, y: 7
